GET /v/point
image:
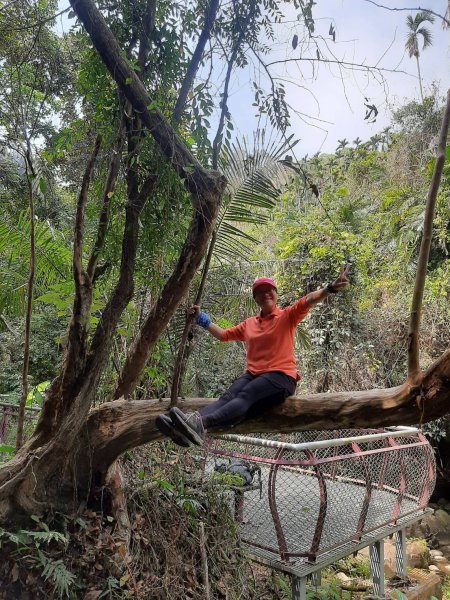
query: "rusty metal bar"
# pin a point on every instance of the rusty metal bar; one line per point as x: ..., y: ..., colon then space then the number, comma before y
x: 402, y: 486
x: 322, y: 512
x: 282, y: 546
x: 367, y: 495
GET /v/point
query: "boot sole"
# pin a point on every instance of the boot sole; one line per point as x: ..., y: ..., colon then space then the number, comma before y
x: 165, y: 426
x: 177, y: 418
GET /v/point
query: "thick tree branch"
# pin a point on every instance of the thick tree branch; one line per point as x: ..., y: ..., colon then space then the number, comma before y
x: 182, y: 354
x: 193, y: 250
x: 210, y: 15
x: 198, y: 180
x: 75, y: 353
x: 416, y: 307
x: 117, y: 426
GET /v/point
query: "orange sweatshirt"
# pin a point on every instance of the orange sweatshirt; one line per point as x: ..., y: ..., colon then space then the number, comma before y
x: 270, y: 340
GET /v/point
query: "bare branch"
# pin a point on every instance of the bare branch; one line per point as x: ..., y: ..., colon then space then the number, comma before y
x: 413, y: 9
x: 210, y: 15
x: 113, y: 172
x: 79, y: 218
x: 416, y: 307
x: 38, y: 23
x: 341, y: 63
x: 148, y: 24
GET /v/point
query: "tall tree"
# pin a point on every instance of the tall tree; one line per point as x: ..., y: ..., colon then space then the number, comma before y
x: 70, y: 454
x: 417, y: 30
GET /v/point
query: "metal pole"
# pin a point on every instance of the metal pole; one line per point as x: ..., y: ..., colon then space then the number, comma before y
x: 298, y: 588
x: 400, y: 553
x: 376, y: 554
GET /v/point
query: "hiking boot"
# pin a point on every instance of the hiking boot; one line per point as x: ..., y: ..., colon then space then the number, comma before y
x: 166, y: 427
x: 189, y: 425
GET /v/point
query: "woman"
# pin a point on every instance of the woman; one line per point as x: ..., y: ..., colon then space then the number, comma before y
x: 271, y: 373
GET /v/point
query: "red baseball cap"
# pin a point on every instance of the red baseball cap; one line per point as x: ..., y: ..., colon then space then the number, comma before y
x: 263, y: 281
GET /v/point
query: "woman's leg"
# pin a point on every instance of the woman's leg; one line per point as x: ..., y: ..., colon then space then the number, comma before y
x: 237, y: 385
x: 268, y: 388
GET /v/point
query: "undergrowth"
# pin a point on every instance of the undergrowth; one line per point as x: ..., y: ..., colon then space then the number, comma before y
x: 181, y: 534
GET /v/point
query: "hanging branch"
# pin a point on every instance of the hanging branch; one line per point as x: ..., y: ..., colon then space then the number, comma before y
x: 183, y: 354
x: 30, y: 176
x: 414, y: 373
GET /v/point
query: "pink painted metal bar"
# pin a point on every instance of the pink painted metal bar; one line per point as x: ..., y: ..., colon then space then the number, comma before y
x: 367, y: 494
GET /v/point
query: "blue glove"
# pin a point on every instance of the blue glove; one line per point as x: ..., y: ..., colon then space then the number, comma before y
x: 203, y: 320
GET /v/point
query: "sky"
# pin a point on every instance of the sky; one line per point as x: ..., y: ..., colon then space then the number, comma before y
x: 330, y: 102
x: 365, y: 34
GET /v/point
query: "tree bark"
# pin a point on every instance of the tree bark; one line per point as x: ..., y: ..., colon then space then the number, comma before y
x: 198, y: 181
x: 117, y: 426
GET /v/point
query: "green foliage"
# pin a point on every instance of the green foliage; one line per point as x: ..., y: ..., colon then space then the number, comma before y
x: 355, y: 567
x: 53, y: 261
x: 56, y: 571
x: 31, y: 547
x: 329, y: 591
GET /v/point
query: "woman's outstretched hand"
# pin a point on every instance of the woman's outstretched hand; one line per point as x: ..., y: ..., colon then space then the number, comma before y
x: 194, y: 310
x: 342, y: 281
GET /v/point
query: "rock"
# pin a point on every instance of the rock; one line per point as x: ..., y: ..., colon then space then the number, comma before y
x: 447, y: 507
x: 427, y: 585
x: 443, y: 538
x: 343, y: 578
x: 445, y: 569
x: 355, y: 585
x: 416, y: 531
x: 430, y: 525
x: 439, y: 560
x: 434, y: 553
x: 443, y: 517
x: 433, y: 568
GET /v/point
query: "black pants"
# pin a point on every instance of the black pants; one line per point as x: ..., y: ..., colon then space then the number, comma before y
x: 251, y: 394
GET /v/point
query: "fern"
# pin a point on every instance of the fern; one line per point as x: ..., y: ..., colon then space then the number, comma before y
x: 48, y: 536
x: 59, y: 575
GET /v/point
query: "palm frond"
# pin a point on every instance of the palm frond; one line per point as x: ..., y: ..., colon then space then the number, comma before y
x: 256, y: 176
x: 426, y: 36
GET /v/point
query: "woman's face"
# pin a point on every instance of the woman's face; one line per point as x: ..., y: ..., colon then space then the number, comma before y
x: 266, y: 298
